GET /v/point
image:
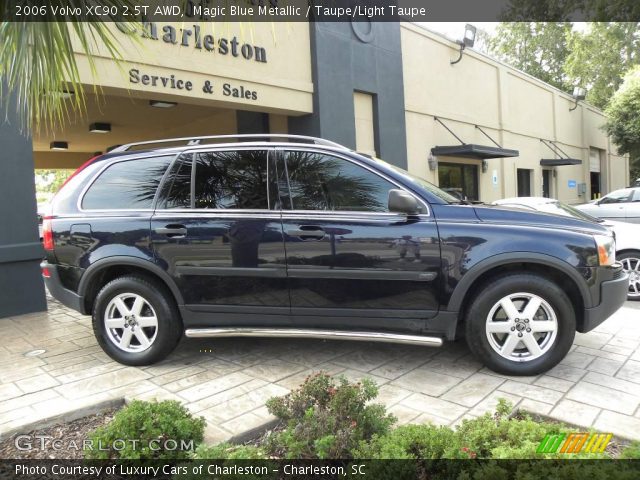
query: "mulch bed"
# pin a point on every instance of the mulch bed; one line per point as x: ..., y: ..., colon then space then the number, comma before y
x: 70, y: 435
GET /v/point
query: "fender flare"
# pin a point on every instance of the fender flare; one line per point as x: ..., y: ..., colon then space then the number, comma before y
x: 144, y: 264
x: 502, y: 259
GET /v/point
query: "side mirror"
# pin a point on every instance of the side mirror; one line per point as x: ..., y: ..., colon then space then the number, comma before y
x: 403, y: 202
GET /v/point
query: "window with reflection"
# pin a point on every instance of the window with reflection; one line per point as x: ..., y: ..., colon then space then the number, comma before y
x: 237, y: 179
x: 127, y: 185
x: 323, y: 182
x: 178, y: 185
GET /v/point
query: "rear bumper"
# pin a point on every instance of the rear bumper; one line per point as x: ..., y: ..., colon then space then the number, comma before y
x: 613, y: 294
x: 66, y: 297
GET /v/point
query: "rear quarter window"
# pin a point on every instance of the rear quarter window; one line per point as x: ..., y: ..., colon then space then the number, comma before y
x: 127, y: 185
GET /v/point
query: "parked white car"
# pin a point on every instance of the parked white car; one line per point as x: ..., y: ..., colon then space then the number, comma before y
x: 627, y: 234
x: 622, y: 205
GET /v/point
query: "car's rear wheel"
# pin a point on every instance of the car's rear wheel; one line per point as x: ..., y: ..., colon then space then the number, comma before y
x: 631, y: 264
x: 135, y: 321
x: 520, y: 324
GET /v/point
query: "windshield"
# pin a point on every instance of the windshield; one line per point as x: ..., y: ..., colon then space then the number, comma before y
x: 560, y: 208
x: 419, y: 182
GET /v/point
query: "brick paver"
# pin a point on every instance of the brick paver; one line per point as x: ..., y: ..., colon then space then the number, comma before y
x: 228, y: 380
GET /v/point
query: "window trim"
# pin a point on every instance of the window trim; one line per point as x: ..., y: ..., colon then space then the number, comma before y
x: 399, y: 186
x: 97, y: 175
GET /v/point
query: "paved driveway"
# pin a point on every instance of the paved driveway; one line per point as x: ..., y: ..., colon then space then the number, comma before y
x: 228, y: 380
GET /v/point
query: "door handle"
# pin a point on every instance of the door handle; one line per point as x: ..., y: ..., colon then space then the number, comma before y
x: 172, y: 231
x: 307, y: 232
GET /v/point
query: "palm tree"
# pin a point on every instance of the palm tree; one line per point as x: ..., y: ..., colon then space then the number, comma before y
x: 38, y: 65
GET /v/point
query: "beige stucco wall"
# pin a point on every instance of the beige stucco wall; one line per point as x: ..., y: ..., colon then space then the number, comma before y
x: 515, y: 109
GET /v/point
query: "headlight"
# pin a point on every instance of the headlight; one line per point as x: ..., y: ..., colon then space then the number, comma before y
x: 606, y: 249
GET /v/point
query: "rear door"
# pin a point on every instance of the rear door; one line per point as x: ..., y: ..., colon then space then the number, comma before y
x: 217, y: 232
x: 348, y: 257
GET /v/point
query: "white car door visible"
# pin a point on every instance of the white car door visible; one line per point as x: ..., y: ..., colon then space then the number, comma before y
x: 614, y: 205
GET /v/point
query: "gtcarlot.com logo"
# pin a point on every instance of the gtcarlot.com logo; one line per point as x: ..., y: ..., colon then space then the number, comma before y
x: 574, y: 443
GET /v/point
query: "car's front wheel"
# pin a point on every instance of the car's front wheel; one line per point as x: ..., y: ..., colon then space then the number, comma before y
x: 631, y: 264
x: 520, y: 324
x: 135, y: 320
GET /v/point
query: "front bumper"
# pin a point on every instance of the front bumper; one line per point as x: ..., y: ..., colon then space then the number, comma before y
x: 613, y: 294
x: 54, y: 285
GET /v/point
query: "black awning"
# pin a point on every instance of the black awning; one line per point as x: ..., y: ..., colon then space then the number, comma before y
x: 559, y: 162
x: 470, y: 150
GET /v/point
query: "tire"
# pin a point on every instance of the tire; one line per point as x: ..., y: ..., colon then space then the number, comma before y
x: 143, y: 300
x: 631, y: 264
x: 488, y: 327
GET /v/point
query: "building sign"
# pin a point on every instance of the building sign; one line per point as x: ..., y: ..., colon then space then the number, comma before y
x: 194, y: 37
x: 572, y: 183
x: 172, y: 82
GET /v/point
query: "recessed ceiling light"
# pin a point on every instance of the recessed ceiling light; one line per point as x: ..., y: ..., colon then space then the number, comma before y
x: 162, y: 104
x: 100, y: 127
x: 59, y: 145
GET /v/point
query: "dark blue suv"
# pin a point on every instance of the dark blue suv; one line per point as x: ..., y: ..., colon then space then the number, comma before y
x: 276, y: 235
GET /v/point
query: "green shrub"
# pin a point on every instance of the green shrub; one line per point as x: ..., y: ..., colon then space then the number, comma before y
x: 228, y: 451
x: 498, y: 436
x: 148, y: 430
x: 327, y: 418
x: 631, y: 451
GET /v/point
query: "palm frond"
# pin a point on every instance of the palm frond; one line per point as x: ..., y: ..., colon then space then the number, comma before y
x: 38, y: 64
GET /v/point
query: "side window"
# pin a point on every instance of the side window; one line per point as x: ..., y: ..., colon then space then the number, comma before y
x: 127, y: 185
x: 636, y: 195
x: 323, y: 182
x: 177, y: 189
x: 234, y: 179
x: 619, y: 196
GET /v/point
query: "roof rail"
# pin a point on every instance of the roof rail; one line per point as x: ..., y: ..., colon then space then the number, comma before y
x: 242, y: 137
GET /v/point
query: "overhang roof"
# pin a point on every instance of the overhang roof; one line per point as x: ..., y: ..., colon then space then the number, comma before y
x: 558, y: 162
x: 470, y: 150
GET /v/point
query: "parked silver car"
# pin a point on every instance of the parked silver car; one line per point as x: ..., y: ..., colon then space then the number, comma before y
x: 627, y: 234
x: 622, y: 205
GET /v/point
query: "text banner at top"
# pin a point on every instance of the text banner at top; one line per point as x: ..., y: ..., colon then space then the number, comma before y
x: 319, y: 10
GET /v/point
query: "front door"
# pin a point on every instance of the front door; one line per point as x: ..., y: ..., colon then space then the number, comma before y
x: 217, y: 232
x: 347, y: 255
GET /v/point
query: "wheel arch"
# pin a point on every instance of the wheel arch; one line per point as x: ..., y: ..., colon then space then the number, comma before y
x: 544, y: 265
x: 106, y: 269
x: 628, y: 250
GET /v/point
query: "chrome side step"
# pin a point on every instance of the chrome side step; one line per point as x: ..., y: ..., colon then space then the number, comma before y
x: 314, y: 333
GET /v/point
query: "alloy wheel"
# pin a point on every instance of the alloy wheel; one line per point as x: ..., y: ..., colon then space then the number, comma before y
x: 631, y: 265
x: 131, y: 322
x: 521, y: 327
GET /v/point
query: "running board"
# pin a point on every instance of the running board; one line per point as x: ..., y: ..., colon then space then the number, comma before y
x: 314, y: 333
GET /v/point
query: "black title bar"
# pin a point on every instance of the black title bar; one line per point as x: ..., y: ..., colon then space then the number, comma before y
x: 319, y: 10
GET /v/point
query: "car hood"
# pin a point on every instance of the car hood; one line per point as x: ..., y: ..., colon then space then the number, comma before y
x: 517, y: 216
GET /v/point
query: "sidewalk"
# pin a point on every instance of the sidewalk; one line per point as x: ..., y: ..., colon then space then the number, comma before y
x: 228, y: 380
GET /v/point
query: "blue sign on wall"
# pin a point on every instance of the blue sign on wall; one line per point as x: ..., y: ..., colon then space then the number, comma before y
x: 572, y: 184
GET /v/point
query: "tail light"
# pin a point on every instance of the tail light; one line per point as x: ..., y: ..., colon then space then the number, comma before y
x: 45, y: 272
x: 47, y: 234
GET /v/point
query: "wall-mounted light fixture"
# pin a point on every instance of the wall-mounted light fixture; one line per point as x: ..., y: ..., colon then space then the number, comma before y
x: 58, y: 145
x: 485, y: 165
x: 432, y: 161
x: 100, y: 127
x: 467, y: 41
x: 162, y: 104
x: 579, y: 93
